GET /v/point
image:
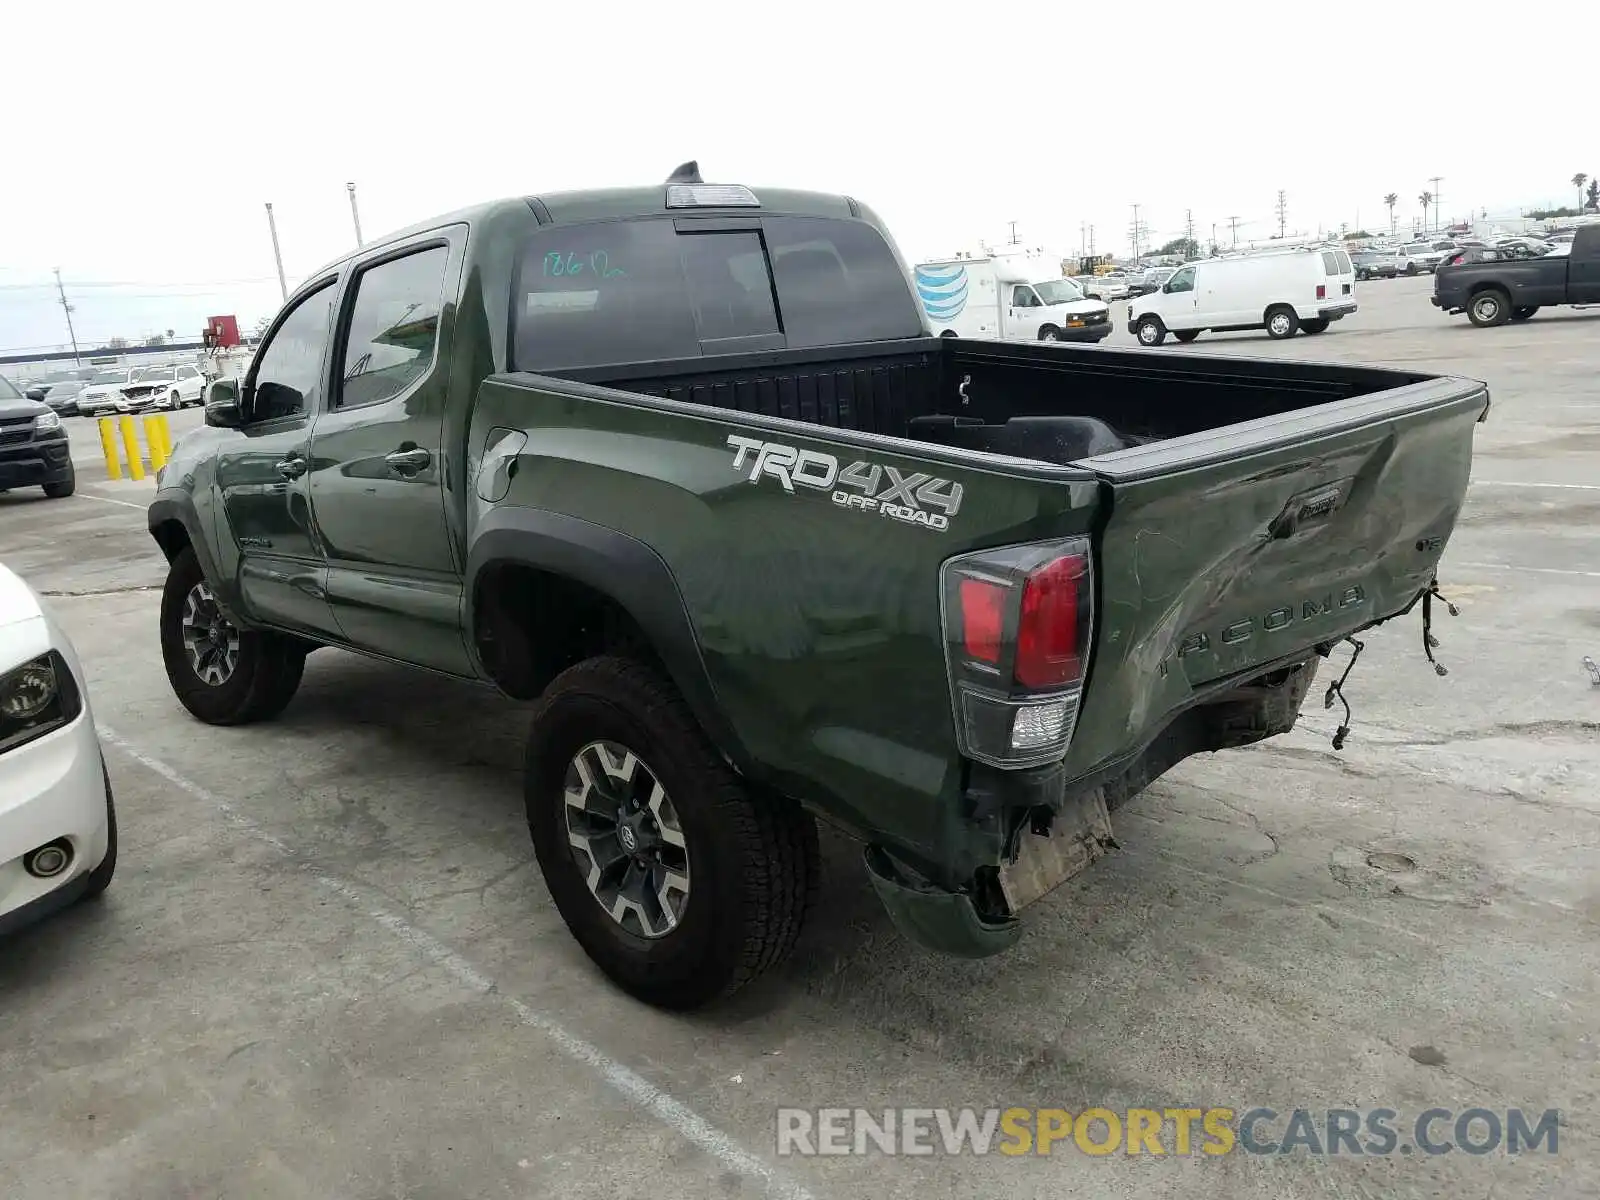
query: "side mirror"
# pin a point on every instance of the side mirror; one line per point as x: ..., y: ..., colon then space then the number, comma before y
x: 222, y: 404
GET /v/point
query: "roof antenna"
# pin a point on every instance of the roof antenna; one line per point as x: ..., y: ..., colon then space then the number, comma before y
x: 688, y: 172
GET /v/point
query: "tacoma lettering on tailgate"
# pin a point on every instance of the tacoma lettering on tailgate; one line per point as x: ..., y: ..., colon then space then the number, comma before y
x: 1276, y: 621
x: 863, y: 486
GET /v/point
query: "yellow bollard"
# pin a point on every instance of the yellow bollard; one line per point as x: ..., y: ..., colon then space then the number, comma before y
x: 152, y: 439
x: 108, y: 443
x: 130, y: 443
x: 166, y: 435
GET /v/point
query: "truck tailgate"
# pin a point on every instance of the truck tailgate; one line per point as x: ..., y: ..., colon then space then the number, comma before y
x: 1229, y: 551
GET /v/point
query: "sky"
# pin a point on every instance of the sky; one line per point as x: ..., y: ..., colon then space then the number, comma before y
x: 149, y: 137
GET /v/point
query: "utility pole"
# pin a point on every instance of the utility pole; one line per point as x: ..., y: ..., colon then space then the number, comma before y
x: 283, y: 285
x: 1434, y: 192
x: 354, y: 215
x: 1188, y: 227
x: 1283, y: 211
x: 1091, y: 239
x: 67, y: 308
x: 1234, y: 222
x: 1083, y: 238
x: 1136, y: 234
x: 1013, y: 225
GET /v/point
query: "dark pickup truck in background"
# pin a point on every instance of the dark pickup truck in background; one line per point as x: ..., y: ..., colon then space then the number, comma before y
x: 1492, y: 292
x: 684, y: 463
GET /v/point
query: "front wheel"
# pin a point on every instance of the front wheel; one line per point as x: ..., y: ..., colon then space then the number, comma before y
x: 1523, y: 312
x: 1315, y: 325
x: 677, y: 880
x: 222, y: 674
x: 1049, y: 333
x: 1282, y: 322
x: 1150, y: 331
x: 60, y: 491
x: 1490, y: 308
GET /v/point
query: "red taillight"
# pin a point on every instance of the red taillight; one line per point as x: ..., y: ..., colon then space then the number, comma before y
x: 983, y: 617
x: 1322, y: 291
x: 1049, y: 650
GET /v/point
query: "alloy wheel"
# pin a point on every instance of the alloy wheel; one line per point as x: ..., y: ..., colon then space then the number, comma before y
x: 209, y: 639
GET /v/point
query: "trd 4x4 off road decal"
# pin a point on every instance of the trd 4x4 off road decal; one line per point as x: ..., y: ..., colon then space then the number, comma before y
x: 863, y: 486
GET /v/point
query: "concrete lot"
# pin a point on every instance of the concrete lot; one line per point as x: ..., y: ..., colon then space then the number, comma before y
x: 328, y: 966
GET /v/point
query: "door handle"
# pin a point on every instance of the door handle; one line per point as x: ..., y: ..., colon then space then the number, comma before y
x: 292, y: 467
x: 408, y: 461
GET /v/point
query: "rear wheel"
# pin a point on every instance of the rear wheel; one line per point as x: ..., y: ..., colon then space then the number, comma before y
x: 1489, y: 308
x: 1282, y: 322
x: 677, y: 880
x: 1523, y: 312
x: 1186, y: 335
x: 222, y: 674
x: 1316, y: 325
x: 1150, y: 331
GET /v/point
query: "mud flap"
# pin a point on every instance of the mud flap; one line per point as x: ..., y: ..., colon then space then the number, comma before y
x: 1079, y: 835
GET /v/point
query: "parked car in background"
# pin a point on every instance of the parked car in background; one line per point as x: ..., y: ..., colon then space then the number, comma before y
x: 1417, y: 257
x: 169, y: 386
x: 58, y: 826
x: 62, y: 398
x: 1149, y: 280
x: 1494, y: 291
x: 100, y: 395
x: 34, y: 451
x: 1104, y: 287
x: 1281, y: 291
x: 1375, y: 264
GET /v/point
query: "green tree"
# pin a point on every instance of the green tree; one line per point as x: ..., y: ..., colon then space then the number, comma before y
x: 1594, y: 194
x: 1425, y: 199
x: 1184, y: 246
x: 1391, y: 200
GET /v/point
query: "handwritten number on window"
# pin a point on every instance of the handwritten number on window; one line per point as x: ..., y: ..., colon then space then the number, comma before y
x: 598, y: 264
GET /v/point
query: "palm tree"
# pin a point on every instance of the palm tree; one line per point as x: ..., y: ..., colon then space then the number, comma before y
x: 1391, y: 200
x: 1578, y: 181
x: 1425, y: 199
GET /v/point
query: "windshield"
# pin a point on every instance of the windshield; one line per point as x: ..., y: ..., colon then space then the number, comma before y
x: 145, y: 374
x: 110, y: 377
x: 1058, y: 291
x: 7, y: 391
x: 1419, y: 248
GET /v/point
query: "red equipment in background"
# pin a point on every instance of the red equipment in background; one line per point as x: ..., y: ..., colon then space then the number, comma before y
x: 221, y: 333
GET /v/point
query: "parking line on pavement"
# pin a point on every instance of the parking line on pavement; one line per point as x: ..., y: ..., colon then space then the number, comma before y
x: 672, y: 1112
x: 109, y: 500
x: 1536, y: 570
x: 1512, y: 483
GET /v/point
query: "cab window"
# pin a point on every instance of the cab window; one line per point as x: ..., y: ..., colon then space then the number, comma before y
x: 1023, y: 296
x: 288, y: 374
x: 1181, y: 281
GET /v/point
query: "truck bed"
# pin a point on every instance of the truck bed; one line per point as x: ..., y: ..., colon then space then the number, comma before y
x: 892, y: 389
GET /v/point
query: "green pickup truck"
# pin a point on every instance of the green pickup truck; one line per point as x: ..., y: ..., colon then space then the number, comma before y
x: 684, y: 464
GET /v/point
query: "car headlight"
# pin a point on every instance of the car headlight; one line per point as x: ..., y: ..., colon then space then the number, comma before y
x: 47, y: 421
x: 35, y: 698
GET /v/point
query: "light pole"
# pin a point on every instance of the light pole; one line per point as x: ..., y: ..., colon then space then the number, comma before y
x: 67, y: 308
x: 277, y: 254
x: 354, y: 215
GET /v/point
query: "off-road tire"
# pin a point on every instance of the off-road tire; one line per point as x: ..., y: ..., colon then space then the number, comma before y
x: 264, y: 680
x: 753, y: 858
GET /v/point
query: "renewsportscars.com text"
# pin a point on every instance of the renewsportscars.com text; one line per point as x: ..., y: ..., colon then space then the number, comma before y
x: 1165, y: 1131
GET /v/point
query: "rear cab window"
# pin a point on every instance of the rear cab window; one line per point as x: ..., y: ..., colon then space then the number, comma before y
x: 652, y: 289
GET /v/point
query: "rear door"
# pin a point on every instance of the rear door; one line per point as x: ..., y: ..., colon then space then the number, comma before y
x: 1583, y: 267
x: 1230, y: 551
x: 378, y: 461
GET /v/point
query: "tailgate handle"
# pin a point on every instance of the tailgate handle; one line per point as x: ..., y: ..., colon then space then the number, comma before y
x: 1307, y: 509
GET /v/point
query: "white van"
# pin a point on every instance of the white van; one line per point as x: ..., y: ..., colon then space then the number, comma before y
x: 1008, y: 297
x: 1281, y: 291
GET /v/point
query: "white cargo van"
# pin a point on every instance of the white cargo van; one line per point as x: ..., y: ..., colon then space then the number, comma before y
x: 1281, y: 291
x: 1008, y: 297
